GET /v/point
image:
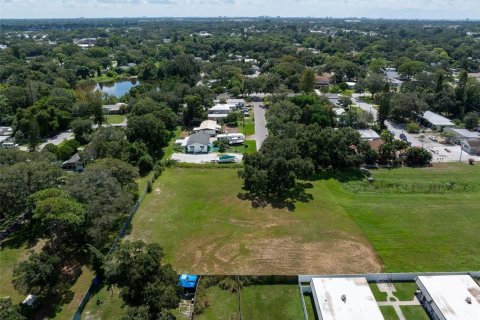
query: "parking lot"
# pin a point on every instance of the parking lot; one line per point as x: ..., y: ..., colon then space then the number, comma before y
x: 201, y: 158
x: 440, y: 152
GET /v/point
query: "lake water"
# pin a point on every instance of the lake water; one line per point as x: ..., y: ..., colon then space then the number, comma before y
x: 118, y: 88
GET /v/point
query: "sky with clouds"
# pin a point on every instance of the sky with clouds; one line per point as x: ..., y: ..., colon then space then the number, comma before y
x: 416, y: 9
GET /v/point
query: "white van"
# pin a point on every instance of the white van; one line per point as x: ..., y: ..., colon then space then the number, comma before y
x: 9, y: 145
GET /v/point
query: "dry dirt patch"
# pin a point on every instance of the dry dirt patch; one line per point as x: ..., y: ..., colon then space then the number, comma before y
x: 284, y: 256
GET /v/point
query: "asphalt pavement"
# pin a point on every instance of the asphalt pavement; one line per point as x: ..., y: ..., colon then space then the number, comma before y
x: 261, y: 131
x: 367, y: 107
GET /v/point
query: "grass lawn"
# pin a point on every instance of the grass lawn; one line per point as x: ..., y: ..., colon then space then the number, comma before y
x: 388, y: 313
x: 412, y: 217
x: 78, y: 289
x: 8, y: 257
x: 271, y: 302
x: 405, y: 291
x: 310, y: 306
x: 110, y: 306
x: 222, y: 305
x: 205, y: 228
x: 115, y: 118
x: 379, y: 296
x: 414, y: 313
x: 249, y: 146
x: 257, y: 302
x: 249, y: 128
x: 415, y: 218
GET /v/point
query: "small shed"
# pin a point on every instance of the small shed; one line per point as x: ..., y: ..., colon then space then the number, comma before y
x: 188, y: 282
x: 31, y: 301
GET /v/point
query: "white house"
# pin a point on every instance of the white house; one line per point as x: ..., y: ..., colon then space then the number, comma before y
x: 368, y: 134
x: 113, y: 108
x: 208, y: 126
x: 221, y: 111
x: 462, y: 134
x: 198, y: 143
x: 436, y: 121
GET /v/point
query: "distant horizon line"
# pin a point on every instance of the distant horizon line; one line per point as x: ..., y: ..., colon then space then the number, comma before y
x: 252, y: 17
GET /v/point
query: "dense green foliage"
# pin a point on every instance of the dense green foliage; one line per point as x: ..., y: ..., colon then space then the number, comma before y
x: 148, y: 286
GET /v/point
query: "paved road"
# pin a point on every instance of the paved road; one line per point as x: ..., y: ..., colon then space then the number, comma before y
x: 261, y: 131
x: 365, y: 106
x: 67, y: 135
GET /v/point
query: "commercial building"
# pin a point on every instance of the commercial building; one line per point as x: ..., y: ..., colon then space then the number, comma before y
x: 450, y: 297
x: 344, y: 299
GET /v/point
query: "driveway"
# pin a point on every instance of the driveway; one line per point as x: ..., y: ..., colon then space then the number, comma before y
x: 261, y: 131
x: 67, y: 135
x: 367, y: 107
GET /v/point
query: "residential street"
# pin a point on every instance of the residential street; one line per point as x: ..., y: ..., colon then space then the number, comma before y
x: 261, y: 131
x: 364, y: 106
x: 56, y: 140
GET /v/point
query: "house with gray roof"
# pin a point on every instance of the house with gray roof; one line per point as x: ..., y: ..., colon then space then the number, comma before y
x: 198, y: 143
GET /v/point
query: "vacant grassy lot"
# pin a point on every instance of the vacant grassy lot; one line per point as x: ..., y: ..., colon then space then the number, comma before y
x: 196, y: 215
x: 415, y: 220
x: 198, y: 218
x: 257, y: 302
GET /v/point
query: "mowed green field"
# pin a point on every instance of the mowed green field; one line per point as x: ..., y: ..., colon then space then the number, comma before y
x: 256, y: 302
x: 205, y: 228
x: 417, y: 220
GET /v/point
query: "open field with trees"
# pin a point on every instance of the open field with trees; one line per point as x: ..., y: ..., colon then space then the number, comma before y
x: 204, y: 227
x: 199, y: 211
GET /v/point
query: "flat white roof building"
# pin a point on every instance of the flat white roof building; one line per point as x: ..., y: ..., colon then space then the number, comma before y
x: 368, y: 134
x: 437, y: 120
x: 209, y: 126
x: 450, y: 297
x: 344, y: 299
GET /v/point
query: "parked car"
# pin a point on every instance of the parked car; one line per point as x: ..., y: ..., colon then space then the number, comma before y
x: 403, y: 137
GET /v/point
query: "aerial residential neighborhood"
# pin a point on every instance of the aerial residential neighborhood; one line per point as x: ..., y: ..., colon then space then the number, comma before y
x: 225, y: 160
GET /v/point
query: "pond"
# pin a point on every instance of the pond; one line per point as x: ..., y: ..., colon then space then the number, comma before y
x: 118, y: 88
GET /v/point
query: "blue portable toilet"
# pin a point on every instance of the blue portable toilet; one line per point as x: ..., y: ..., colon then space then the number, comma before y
x: 188, y: 282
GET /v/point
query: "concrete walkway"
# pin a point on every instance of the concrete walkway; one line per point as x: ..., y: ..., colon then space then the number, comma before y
x: 393, y: 301
x: 261, y: 131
